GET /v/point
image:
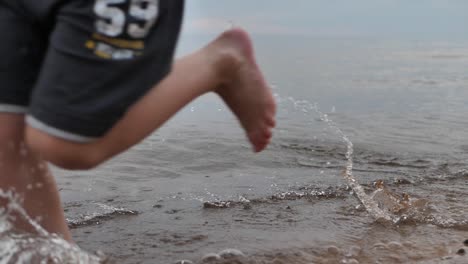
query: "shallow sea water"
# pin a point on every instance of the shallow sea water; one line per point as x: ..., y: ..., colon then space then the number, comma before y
x: 194, y: 193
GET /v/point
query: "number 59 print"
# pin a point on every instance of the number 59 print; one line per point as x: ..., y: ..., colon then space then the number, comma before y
x: 112, y: 19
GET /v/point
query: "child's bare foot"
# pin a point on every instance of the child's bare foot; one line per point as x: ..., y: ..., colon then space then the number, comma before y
x: 243, y: 87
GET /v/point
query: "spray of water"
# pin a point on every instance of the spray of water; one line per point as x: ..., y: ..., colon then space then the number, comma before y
x: 38, y: 246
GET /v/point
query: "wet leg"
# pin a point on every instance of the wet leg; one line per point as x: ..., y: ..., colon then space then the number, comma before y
x: 24, y: 172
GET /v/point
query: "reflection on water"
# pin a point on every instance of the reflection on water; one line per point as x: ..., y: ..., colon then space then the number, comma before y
x: 194, y: 192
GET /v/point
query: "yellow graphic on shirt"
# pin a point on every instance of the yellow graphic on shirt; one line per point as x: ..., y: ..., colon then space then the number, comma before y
x: 121, y: 43
x: 114, y: 48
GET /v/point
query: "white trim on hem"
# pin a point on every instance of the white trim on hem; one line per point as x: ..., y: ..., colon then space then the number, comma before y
x: 9, y: 108
x: 35, y: 123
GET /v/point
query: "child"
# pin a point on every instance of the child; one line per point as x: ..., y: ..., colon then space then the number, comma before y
x: 82, y: 81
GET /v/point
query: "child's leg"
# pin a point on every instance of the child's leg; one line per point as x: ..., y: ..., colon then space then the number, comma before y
x: 28, y: 175
x: 225, y: 66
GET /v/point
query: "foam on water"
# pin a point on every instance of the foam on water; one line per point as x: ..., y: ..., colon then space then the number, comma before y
x: 102, y: 212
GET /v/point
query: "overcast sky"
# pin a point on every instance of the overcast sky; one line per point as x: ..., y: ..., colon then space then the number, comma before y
x: 374, y: 18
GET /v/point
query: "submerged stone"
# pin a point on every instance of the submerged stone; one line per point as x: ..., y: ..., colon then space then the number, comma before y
x: 333, y: 250
x: 211, y: 257
x: 217, y: 204
x: 231, y: 253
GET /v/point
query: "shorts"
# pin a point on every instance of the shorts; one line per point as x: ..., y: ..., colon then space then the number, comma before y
x: 75, y: 67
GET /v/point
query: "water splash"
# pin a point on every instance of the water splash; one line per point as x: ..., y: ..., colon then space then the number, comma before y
x: 371, y: 206
x: 38, y: 246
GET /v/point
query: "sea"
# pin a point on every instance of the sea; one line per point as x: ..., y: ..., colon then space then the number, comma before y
x: 368, y: 164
